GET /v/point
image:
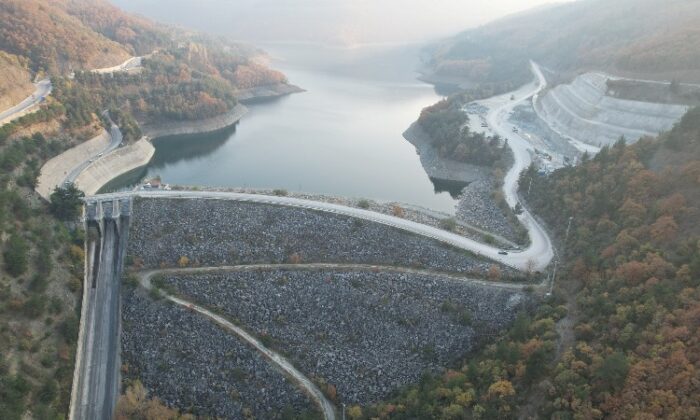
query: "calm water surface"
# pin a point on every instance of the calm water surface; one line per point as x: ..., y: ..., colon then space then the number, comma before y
x: 343, y: 136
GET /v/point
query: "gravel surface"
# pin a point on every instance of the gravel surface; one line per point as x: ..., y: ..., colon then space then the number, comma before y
x: 477, y: 207
x: 412, y: 212
x: 190, y: 363
x: 366, y: 333
x: 218, y: 232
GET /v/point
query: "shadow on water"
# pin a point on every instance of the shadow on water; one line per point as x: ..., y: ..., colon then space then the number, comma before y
x: 454, y: 188
x: 171, y: 150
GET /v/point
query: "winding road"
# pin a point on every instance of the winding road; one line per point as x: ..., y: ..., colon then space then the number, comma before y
x: 43, y: 89
x: 131, y: 63
x: 536, y: 257
x: 115, y: 140
x: 280, y: 361
x: 93, y: 398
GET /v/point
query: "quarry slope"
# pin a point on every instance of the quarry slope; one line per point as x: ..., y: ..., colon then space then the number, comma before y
x: 584, y: 111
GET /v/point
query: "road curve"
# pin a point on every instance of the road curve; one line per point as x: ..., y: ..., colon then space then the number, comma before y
x: 540, y: 252
x: 43, y: 89
x: 314, y: 392
x: 532, y: 258
x: 536, y: 257
x: 129, y: 64
x: 115, y: 140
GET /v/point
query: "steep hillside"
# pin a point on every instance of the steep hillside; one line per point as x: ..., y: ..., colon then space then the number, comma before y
x: 620, y: 337
x: 184, y: 75
x: 15, y: 83
x: 638, y: 38
x: 139, y: 35
x: 52, y: 39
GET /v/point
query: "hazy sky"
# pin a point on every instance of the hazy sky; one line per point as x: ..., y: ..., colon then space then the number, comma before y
x: 329, y: 21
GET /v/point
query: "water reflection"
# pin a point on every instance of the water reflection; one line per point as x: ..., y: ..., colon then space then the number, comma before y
x: 173, y: 150
x: 343, y: 136
x: 454, y: 188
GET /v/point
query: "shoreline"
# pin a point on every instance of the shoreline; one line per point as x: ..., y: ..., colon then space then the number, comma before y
x: 204, y: 126
x: 437, y: 167
x: 278, y: 90
x: 131, y: 157
x: 114, y: 164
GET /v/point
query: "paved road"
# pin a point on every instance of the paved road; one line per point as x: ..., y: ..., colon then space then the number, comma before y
x: 97, y: 366
x: 311, y: 389
x: 535, y: 257
x: 132, y: 63
x: 116, y: 140
x: 43, y: 89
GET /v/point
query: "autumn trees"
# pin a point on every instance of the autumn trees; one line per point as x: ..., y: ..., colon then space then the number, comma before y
x: 135, y: 404
x: 632, y: 261
x: 445, y: 124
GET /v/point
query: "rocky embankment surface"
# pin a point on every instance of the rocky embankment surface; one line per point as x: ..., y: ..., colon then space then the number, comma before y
x: 366, y: 333
x: 219, y: 232
x: 477, y: 207
x: 436, y: 166
x: 408, y: 211
x: 190, y: 363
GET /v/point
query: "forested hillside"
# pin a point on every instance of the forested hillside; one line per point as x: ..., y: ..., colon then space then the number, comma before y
x: 450, y: 133
x: 41, y: 255
x: 185, y: 75
x: 52, y: 39
x: 639, y: 38
x: 15, y: 83
x: 620, y: 338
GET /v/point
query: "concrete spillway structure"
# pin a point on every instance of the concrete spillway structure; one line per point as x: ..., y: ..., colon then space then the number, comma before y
x: 96, y: 376
x: 583, y: 111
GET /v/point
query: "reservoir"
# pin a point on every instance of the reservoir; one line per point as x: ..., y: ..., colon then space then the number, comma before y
x: 343, y: 136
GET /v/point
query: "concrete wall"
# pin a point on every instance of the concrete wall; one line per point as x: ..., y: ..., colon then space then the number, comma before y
x: 55, y: 170
x: 178, y: 128
x: 582, y: 110
x: 116, y: 163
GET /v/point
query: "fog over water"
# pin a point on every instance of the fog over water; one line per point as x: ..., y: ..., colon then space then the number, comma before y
x: 337, y: 22
x: 344, y: 135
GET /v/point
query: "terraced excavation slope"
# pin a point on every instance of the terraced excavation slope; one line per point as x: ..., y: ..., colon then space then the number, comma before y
x: 584, y: 111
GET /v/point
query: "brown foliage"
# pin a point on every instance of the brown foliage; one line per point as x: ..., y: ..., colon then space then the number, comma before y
x: 135, y: 404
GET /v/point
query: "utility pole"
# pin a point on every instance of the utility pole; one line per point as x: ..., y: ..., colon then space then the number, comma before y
x: 529, y: 187
x: 343, y: 411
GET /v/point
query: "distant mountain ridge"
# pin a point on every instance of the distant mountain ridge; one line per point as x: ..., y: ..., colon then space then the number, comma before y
x: 651, y: 39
